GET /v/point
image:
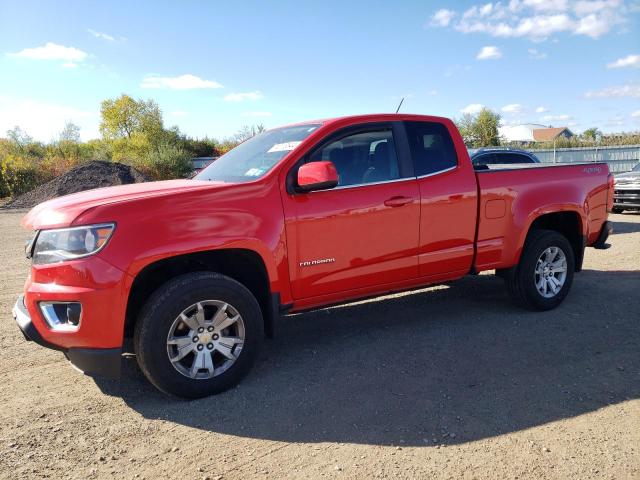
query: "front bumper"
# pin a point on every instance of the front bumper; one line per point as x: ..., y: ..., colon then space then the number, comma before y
x: 91, y: 361
x: 626, y: 198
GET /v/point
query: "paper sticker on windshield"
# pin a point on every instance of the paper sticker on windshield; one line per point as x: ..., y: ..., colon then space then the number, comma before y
x: 254, y: 172
x: 283, y: 147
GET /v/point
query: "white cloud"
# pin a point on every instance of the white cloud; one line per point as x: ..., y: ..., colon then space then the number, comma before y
x: 182, y: 82
x: 636, y: 114
x: 556, y: 118
x: 541, y: 110
x: 472, y: 108
x: 256, y: 114
x: 585, y: 7
x: 103, y: 36
x: 489, y: 53
x: 537, y: 19
x: 536, y: 55
x: 593, y: 25
x: 514, y: 108
x: 52, y: 51
x: 547, y: 5
x: 178, y: 113
x: 442, y: 18
x: 628, y: 61
x: 241, y: 97
x: 44, y: 121
x: 432, y: 93
x: 631, y: 90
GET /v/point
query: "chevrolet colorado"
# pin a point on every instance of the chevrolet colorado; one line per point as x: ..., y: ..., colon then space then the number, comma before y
x: 296, y: 218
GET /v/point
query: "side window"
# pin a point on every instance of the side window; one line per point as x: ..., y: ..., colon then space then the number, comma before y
x: 365, y: 157
x: 484, y: 159
x: 510, y: 158
x: 431, y: 147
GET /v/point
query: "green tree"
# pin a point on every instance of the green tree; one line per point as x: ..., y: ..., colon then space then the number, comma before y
x: 20, y: 139
x: 123, y: 117
x: 591, y: 134
x: 165, y: 162
x: 487, y: 128
x: 70, y: 133
x: 480, y: 130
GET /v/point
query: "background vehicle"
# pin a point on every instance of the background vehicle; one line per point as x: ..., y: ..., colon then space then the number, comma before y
x: 626, y: 194
x: 296, y: 218
x: 200, y: 163
x: 502, y: 156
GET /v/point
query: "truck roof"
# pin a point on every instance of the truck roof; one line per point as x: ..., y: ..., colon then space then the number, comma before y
x: 371, y: 117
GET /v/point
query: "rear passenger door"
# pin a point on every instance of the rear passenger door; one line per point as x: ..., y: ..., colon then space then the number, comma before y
x: 448, y: 200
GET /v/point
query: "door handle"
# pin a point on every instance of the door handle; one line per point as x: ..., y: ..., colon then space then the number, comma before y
x: 397, y: 201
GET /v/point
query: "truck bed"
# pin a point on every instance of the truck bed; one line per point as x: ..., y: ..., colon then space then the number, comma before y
x: 509, y: 201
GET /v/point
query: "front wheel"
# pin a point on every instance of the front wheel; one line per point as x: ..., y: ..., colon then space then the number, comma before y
x: 198, y: 335
x: 544, y: 275
x: 617, y: 210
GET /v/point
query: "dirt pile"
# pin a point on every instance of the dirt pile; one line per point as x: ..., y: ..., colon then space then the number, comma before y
x: 89, y: 175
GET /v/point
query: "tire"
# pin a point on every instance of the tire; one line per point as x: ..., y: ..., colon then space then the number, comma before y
x: 168, y: 327
x: 523, y: 282
x: 617, y: 210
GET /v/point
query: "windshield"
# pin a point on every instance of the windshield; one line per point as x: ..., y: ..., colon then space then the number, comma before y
x: 636, y: 168
x: 255, y: 157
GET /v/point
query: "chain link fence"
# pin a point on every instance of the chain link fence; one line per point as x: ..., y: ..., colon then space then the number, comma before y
x: 619, y: 158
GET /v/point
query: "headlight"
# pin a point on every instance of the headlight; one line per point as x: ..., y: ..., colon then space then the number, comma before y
x: 61, y: 244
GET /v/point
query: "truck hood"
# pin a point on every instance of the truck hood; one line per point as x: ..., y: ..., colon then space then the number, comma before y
x: 62, y: 211
x: 628, y: 176
x: 627, y: 179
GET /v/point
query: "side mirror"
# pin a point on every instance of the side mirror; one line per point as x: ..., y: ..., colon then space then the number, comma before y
x: 317, y: 176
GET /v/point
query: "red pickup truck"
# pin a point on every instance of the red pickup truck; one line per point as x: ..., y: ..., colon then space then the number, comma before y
x: 296, y: 218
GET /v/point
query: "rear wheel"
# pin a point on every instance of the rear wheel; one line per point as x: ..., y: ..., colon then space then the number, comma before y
x: 198, y: 335
x: 544, y: 275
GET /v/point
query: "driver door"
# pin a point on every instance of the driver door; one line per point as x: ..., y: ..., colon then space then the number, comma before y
x: 362, y: 234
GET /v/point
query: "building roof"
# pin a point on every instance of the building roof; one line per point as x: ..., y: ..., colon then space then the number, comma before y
x: 549, y: 134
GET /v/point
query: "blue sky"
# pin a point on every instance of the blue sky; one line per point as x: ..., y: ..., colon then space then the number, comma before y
x: 216, y: 66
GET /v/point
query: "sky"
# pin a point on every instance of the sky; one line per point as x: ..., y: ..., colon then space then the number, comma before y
x: 215, y: 66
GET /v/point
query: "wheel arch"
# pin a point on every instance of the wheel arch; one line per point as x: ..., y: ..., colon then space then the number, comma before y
x: 243, y: 265
x: 569, y: 223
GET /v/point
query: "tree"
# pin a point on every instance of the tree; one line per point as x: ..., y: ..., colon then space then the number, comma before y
x: 246, y: 132
x: 70, y: 133
x: 19, y: 138
x: 592, y: 134
x: 480, y: 130
x: 123, y: 117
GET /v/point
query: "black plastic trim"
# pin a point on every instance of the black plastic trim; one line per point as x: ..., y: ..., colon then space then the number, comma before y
x: 579, y: 260
x: 601, y: 242
x: 105, y: 362
x: 319, y: 186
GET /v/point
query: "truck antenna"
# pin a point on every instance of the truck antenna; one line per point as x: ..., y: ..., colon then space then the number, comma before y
x: 399, y: 105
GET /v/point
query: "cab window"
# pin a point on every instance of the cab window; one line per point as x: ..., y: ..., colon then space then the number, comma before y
x: 431, y: 147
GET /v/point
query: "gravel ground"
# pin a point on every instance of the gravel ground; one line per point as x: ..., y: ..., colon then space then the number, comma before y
x: 449, y: 382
